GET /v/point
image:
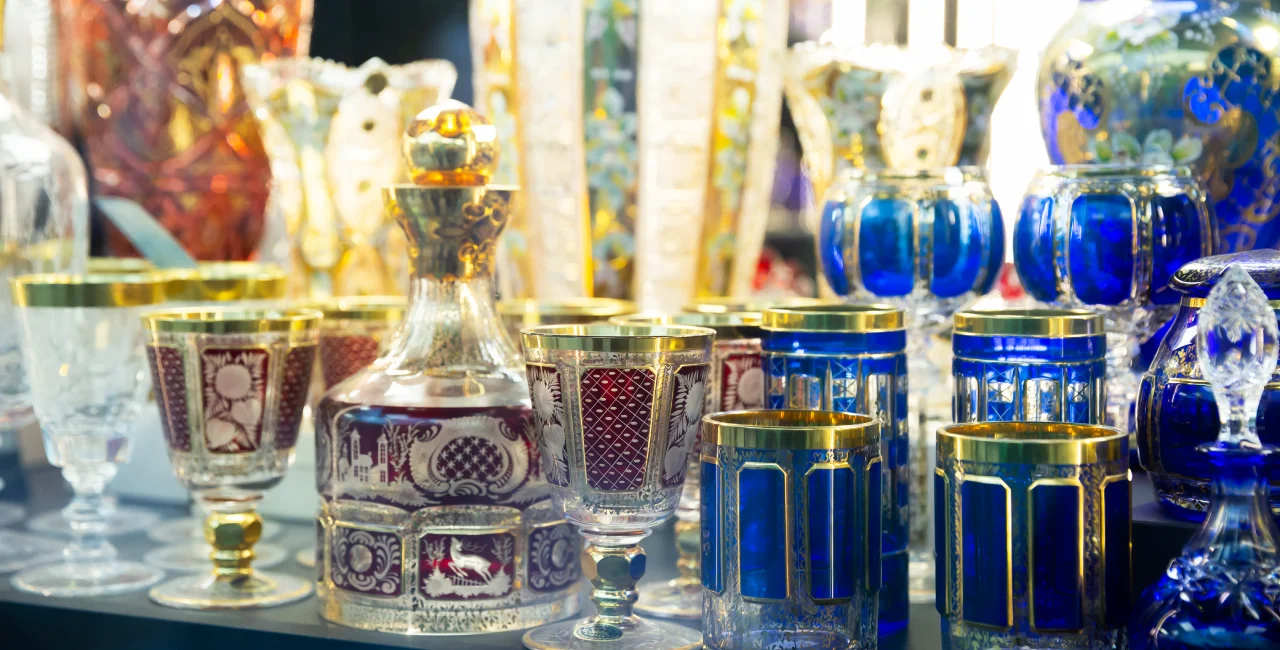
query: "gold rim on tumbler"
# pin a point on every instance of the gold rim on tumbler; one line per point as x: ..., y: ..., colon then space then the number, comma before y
x: 119, y: 265
x: 726, y: 325
x: 370, y: 308
x: 88, y: 290
x: 790, y: 429
x: 834, y: 318
x: 225, y: 281
x: 231, y: 320
x: 1058, y: 323
x: 618, y: 338
x: 1050, y: 443
x: 534, y: 312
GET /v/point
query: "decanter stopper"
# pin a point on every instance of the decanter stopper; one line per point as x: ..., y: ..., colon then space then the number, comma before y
x: 1237, y: 343
x: 451, y: 143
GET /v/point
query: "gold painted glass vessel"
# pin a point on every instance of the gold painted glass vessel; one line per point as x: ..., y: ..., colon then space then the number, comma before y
x: 530, y: 312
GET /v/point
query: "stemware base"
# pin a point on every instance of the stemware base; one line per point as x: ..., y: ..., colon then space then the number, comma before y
x: 191, y: 558
x: 678, y: 598
x: 636, y: 634
x: 75, y: 579
x: 921, y: 588
x: 306, y: 557
x: 18, y: 551
x: 122, y: 521
x: 257, y: 590
x: 191, y: 529
x: 11, y: 513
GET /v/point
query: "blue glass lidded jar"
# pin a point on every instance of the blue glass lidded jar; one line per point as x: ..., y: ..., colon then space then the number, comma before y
x: 1038, y: 365
x: 852, y: 358
x: 1176, y: 410
x: 1108, y: 238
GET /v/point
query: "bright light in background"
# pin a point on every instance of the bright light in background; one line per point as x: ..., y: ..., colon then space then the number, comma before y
x: 926, y: 22
x: 849, y: 21
x: 1267, y: 38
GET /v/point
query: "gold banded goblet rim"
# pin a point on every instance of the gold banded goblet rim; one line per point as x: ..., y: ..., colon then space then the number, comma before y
x: 1048, y: 443
x: 617, y: 338
x: 791, y: 429
x: 231, y: 320
x: 88, y: 290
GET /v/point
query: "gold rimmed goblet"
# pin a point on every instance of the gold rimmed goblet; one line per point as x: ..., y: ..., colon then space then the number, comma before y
x: 536, y: 312
x: 617, y: 409
x: 231, y: 385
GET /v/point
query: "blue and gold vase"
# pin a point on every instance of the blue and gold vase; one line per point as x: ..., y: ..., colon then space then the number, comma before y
x: 851, y: 358
x: 1038, y: 365
x: 1178, y: 82
x: 1032, y: 535
x: 1109, y: 238
x: 790, y: 529
x: 1176, y: 409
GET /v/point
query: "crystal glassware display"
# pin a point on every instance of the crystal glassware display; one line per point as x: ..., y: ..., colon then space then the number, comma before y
x: 231, y: 384
x: 1109, y: 238
x: 1172, y: 81
x: 434, y: 515
x: 1032, y: 525
x: 1223, y: 591
x: 885, y: 107
x: 333, y: 137
x: 242, y: 284
x: 750, y: 304
x: 1177, y: 412
x: 531, y: 312
x: 930, y: 242
x: 735, y: 383
x: 852, y: 358
x: 1035, y: 365
x: 790, y: 529
x: 82, y: 346
x: 154, y: 89
x: 617, y: 409
x: 118, y: 265
x: 664, y: 116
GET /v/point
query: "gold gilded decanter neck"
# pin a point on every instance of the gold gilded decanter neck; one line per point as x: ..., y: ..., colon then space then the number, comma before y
x: 450, y: 215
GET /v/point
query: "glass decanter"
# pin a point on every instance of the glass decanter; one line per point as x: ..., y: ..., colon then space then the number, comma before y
x: 1224, y: 590
x: 435, y: 515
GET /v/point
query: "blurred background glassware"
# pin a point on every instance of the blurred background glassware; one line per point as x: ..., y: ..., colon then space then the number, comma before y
x: 30, y: 28
x: 886, y: 107
x: 154, y: 90
x: 1177, y: 412
x: 1035, y: 365
x: 231, y: 384
x: 82, y: 346
x: 581, y: 93
x: 750, y: 304
x: 1109, y: 238
x: 119, y: 265
x: 1174, y: 82
x: 852, y: 359
x: 333, y: 137
x: 518, y: 314
x: 244, y: 285
x: 735, y: 383
x: 1032, y: 535
x: 1221, y: 592
x: 782, y: 484
x: 434, y: 514
x: 617, y: 408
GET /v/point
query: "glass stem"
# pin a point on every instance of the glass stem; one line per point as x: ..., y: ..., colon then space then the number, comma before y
x: 88, y: 512
x: 232, y: 528
x: 614, y: 564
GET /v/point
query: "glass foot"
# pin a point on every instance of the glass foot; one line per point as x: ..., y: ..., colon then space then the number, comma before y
x: 72, y: 579
x: 677, y: 598
x: 18, y: 551
x: 192, y: 558
x: 259, y: 589
x: 920, y: 580
x: 307, y: 557
x: 191, y: 529
x: 11, y: 513
x: 123, y: 521
x: 635, y: 634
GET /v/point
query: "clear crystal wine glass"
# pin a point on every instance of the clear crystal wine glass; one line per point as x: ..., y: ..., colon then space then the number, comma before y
x: 231, y: 384
x: 82, y: 346
x: 617, y: 409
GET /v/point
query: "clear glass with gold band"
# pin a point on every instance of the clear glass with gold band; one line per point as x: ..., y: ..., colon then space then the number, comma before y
x: 616, y: 410
x: 790, y: 529
x: 1032, y: 535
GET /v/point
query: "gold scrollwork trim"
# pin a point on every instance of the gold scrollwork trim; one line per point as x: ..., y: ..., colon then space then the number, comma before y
x: 1031, y: 549
x: 791, y: 429
x: 1048, y: 443
x: 944, y: 567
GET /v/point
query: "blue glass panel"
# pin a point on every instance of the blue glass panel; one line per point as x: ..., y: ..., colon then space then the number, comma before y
x: 874, y: 526
x: 984, y: 523
x: 995, y: 250
x: 831, y: 247
x: 1032, y: 349
x: 762, y: 532
x: 1117, y: 513
x: 941, y: 543
x: 1176, y: 240
x: 1100, y: 248
x: 711, y: 574
x: 887, y: 247
x: 833, y: 533
x: 1057, y: 587
x: 957, y: 247
x: 1033, y: 248
x: 835, y: 343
